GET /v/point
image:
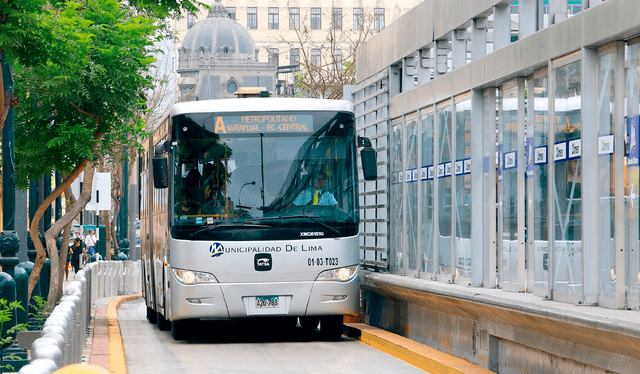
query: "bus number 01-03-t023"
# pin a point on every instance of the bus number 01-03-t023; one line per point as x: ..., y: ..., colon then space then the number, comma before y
x: 322, y: 261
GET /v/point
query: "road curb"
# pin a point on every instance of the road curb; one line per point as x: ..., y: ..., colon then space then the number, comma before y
x: 116, y: 357
x: 410, y: 351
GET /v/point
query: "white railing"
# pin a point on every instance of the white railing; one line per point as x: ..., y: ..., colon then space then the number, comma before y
x: 63, y: 336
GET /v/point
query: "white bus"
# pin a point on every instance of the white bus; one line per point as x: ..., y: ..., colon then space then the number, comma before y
x: 253, y: 212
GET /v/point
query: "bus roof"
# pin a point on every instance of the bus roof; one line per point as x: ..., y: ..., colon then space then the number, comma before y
x: 260, y: 105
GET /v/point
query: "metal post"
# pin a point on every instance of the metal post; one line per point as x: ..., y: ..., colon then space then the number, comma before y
x: 9, y: 241
x: 123, y: 226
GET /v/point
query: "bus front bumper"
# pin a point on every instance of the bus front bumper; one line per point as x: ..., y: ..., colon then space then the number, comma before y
x: 240, y: 300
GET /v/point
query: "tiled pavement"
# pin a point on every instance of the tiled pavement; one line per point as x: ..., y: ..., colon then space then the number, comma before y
x: 104, y: 346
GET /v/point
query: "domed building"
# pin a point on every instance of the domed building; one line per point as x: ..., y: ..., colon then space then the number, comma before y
x: 217, y: 57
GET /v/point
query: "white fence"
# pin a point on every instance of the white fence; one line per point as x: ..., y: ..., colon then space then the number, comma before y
x: 63, y: 336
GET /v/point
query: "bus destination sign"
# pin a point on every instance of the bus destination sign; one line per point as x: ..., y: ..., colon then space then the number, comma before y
x: 264, y: 123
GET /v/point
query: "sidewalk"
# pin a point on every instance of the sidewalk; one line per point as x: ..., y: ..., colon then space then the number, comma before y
x: 104, y: 345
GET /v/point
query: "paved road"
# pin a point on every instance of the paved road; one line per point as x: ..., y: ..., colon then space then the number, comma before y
x: 228, y: 347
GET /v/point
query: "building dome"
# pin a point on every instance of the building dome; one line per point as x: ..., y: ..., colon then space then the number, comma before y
x: 218, y: 56
x: 216, y: 38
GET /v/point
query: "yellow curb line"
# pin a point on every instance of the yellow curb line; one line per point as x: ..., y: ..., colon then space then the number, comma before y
x: 412, y: 352
x: 116, y: 357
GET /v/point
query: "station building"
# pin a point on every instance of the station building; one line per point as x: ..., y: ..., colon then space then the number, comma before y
x: 504, y: 225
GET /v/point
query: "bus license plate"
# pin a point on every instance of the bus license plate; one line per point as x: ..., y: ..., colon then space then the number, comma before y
x: 267, y: 302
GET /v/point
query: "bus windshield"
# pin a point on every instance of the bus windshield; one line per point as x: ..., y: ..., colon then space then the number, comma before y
x: 264, y: 176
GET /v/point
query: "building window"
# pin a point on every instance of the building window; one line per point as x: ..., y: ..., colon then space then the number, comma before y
x: 358, y: 19
x: 294, y: 18
x: 252, y: 18
x: 274, y: 54
x: 315, y: 19
x: 294, y: 56
x: 337, y: 59
x: 336, y: 18
x: 191, y: 20
x: 315, y: 56
x: 274, y: 18
x: 232, y: 87
x: 378, y: 20
x: 575, y: 8
x: 231, y: 11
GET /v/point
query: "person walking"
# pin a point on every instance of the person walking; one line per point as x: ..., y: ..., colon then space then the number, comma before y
x: 78, y: 250
x: 66, y: 267
x: 90, y: 242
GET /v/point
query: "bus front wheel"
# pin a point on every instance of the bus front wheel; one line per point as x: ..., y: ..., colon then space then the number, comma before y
x: 331, y: 327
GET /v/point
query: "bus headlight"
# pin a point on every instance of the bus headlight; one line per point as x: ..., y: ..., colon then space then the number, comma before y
x: 339, y: 275
x: 193, y: 277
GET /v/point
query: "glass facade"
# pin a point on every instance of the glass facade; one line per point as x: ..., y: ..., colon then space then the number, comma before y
x: 567, y: 190
x: 411, y: 195
x: 396, y: 249
x: 462, y: 170
x: 508, y: 185
x: 538, y: 221
x: 540, y: 229
x: 606, y: 172
x: 632, y: 174
x: 444, y: 185
x: 427, y: 194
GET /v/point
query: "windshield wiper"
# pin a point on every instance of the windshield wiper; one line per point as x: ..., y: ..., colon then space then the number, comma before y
x: 227, y: 226
x: 315, y: 219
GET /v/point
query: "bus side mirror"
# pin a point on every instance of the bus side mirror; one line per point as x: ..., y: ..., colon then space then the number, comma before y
x: 368, y: 158
x: 160, y: 172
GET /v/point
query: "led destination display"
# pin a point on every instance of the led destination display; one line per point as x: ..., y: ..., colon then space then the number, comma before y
x: 264, y: 123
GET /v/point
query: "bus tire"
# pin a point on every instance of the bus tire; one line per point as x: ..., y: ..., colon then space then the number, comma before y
x: 179, y: 329
x: 152, y: 317
x: 331, y: 327
x: 309, y: 323
x: 161, y: 322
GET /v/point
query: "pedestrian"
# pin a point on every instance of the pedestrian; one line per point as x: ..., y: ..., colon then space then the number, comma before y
x: 66, y: 268
x: 78, y: 250
x: 90, y: 242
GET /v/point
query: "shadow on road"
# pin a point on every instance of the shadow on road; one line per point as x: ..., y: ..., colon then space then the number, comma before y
x: 254, y: 330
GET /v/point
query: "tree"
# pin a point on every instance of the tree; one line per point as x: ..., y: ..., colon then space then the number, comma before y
x: 84, y: 102
x: 329, y: 64
x: 27, y: 31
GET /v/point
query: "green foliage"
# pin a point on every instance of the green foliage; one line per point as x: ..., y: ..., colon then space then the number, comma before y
x: 7, y: 338
x: 27, y: 31
x: 37, y: 312
x: 94, y: 86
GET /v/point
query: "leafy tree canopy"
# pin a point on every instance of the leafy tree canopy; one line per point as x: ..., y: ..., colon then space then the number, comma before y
x: 90, y: 95
x: 26, y: 29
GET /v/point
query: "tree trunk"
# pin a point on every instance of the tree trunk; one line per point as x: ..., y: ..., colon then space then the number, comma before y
x: 57, y: 278
x: 107, y: 233
x: 57, y: 271
x: 33, y: 227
